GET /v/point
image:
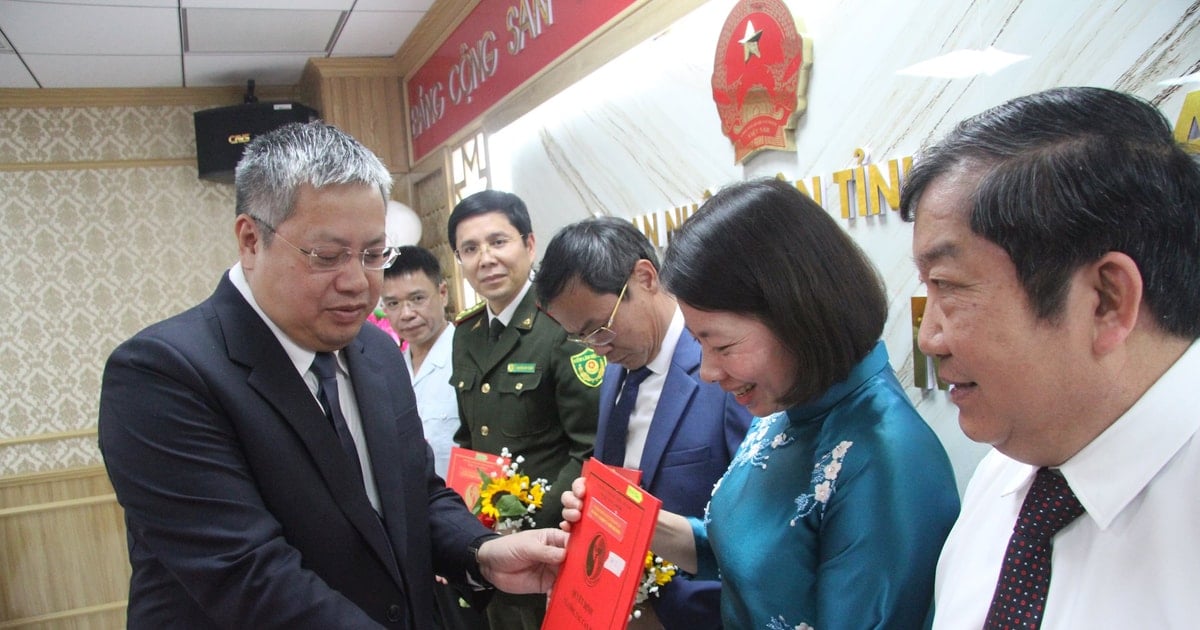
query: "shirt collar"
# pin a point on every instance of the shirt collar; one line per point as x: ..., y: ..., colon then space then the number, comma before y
x: 302, y: 358
x: 1139, y: 443
x: 506, y: 315
x: 661, y: 362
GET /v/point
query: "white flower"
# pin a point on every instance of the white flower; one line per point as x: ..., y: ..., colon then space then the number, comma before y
x: 822, y: 492
x: 779, y: 440
x: 831, y: 471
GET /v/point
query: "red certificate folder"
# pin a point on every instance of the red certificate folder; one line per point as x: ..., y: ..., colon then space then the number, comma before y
x: 598, y: 581
x: 462, y: 474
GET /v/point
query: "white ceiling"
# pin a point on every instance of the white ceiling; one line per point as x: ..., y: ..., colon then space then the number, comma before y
x: 190, y: 43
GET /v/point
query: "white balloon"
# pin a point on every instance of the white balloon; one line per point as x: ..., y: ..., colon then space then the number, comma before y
x: 403, y: 225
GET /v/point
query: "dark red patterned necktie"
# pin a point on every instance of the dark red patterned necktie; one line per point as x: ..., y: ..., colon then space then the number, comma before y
x: 1020, y: 597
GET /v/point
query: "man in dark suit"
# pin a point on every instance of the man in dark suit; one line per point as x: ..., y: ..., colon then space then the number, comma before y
x: 599, y: 279
x: 266, y: 449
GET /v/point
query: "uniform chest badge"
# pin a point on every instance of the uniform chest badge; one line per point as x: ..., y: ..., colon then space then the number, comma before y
x: 589, y: 367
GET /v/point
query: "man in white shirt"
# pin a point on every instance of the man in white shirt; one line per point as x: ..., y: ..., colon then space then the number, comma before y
x: 415, y: 298
x: 1058, y: 236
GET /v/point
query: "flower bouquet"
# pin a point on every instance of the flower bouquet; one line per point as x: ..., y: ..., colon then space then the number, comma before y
x: 508, y: 501
x: 656, y: 574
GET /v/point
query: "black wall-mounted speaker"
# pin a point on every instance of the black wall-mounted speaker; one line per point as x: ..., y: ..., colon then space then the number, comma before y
x: 222, y: 133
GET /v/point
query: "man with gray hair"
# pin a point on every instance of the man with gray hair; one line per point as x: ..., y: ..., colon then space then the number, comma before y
x: 266, y: 450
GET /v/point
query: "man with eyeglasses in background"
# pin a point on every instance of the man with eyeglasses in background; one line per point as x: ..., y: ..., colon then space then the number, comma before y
x: 522, y: 385
x: 599, y: 279
x: 266, y: 450
x: 414, y: 300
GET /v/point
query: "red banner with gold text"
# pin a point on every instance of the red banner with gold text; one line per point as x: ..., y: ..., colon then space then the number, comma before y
x: 494, y: 51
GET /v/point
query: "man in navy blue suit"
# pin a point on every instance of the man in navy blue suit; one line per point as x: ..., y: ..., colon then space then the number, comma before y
x: 265, y: 447
x: 599, y: 279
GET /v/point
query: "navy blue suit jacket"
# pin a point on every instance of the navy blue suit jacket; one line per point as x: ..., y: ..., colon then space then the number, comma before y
x: 241, y: 508
x: 695, y: 431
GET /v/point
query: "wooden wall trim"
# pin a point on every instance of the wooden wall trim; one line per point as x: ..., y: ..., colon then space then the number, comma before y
x: 47, y: 437
x: 58, y: 505
x: 330, y: 67
x: 81, y: 472
x: 133, y: 97
x: 65, y: 614
x: 97, y: 164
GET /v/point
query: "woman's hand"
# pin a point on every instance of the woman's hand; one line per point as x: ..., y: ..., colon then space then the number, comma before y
x: 572, y: 501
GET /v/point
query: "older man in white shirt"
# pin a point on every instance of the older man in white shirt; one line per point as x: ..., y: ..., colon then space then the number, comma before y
x: 1058, y: 236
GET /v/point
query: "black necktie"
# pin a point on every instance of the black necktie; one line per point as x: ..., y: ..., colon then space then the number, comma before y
x: 617, y: 429
x: 1020, y: 596
x: 324, y: 365
x: 495, y: 329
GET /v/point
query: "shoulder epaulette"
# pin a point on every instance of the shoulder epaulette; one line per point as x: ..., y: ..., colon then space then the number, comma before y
x: 470, y: 312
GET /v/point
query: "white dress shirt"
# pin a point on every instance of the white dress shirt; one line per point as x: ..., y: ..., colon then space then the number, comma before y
x: 505, y: 316
x: 1133, y: 559
x: 436, y: 399
x: 302, y: 359
x: 649, y: 392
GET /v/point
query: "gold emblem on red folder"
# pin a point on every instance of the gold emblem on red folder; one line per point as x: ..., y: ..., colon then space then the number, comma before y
x: 760, y: 77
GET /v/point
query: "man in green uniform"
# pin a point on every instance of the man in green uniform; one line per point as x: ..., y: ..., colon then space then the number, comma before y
x: 521, y: 385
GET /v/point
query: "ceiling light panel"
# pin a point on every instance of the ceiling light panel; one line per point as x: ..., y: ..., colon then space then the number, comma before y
x: 40, y: 28
x: 375, y: 33
x: 260, y: 30
x: 292, y: 5
x: 13, y: 73
x: 105, y: 71
x: 214, y: 70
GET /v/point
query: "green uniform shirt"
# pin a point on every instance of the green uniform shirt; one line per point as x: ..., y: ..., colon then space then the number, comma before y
x: 530, y: 391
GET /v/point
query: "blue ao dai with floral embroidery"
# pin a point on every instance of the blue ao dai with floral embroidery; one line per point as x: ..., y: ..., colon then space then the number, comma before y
x: 832, y: 513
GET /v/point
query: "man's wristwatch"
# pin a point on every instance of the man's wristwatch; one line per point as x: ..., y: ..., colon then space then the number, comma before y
x: 474, y: 545
x: 475, y: 574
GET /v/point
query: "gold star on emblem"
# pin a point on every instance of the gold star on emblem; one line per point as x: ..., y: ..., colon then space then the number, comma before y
x: 749, y: 42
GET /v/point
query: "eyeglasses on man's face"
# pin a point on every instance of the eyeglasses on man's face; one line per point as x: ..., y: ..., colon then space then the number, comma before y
x: 329, y: 258
x: 603, y: 335
x: 415, y: 302
x: 498, y: 244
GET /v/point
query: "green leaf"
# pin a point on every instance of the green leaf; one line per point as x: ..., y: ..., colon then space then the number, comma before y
x: 509, y: 506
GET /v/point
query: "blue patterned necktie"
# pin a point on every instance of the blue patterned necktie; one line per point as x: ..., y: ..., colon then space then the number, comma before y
x: 617, y: 428
x: 1020, y: 597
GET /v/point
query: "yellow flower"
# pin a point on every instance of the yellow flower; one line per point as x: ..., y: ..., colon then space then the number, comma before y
x: 509, y: 499
x: 536, y: 493
x: 656, y: 573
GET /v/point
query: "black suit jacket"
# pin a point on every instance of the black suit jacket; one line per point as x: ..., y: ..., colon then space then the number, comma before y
x: 242, y: 510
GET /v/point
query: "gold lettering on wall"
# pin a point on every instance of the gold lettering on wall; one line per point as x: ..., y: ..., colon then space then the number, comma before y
x: 1187, y: 128
x: 862, y: 191
x: 526, y: 19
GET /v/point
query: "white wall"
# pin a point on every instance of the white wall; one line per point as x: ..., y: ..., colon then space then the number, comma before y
x: 642, y: 133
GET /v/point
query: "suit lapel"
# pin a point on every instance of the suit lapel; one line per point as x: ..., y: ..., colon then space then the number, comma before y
x: 677, y: 392
x: 383, y: 443
x: 273, y: 375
